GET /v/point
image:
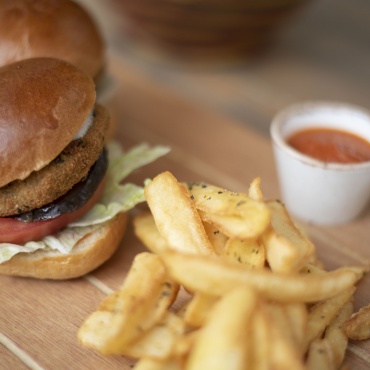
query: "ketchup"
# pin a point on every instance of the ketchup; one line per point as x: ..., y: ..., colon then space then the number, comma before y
x: 331, y: 145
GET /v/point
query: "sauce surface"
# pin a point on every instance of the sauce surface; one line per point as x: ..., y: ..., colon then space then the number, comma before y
x: 331, y: 145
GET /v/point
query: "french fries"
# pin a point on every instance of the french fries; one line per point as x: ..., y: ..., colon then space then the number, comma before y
x: 328, y: 351
x: 176, y: 216
x: 150, y: 364
x: 260, y: 333
x: 216, y: 237
x: 221, y: 344
x: 357, y: 327
x: 249, y: 252
x: 335, y: 334
x: 146, y: 230
x: 202, y: 273
x: 253, y: 293
x: 255, y: 191
x: 323, y: 313
x: 160, y: 341
x: 291, y: 318
x: 287, y: 250
x: 198, y: 309
x: 235, y: 214
x: 125, y: 315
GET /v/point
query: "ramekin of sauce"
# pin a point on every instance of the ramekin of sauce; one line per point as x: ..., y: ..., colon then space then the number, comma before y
x: 322, y: 154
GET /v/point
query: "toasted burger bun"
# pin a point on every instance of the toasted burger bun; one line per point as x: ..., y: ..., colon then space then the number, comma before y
x: 43, y: 104
x: 88, y: 254
x: 59, y: 29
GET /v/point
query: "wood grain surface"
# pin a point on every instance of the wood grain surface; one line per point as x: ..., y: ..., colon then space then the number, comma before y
x: 216, y: 123
x: 39, y: 319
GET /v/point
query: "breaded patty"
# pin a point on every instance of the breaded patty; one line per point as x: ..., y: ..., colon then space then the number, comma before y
x: 54, y: 180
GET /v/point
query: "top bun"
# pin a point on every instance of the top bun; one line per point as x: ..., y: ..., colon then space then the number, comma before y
x: 43, y: 104
x: 58, y: 29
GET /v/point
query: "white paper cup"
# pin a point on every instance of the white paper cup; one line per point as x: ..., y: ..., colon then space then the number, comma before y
x: 312, y: 190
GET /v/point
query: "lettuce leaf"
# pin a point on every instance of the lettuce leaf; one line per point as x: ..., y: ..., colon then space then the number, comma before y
x: 117, y: 197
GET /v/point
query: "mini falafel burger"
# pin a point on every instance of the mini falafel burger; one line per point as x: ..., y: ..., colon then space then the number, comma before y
x: 63, y: 204
x: 60, y: 29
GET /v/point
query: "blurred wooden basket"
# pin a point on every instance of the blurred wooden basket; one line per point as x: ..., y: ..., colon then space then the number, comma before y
x: 204, y: 28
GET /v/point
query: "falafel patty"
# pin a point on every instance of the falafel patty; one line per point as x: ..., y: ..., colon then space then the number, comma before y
x: 60, y: 175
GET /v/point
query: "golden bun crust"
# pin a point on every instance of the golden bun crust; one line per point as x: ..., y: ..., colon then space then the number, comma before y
x: 89, y: 253
x: 43, y: 104
x: 58, y: 29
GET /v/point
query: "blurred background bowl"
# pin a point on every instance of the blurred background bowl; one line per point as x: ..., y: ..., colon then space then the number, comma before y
x: 204, y: 29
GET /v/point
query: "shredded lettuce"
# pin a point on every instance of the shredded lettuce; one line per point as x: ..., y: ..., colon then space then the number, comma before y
x: 116, y: 198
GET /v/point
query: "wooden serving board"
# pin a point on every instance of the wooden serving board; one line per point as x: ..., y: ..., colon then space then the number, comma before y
x: 39, y: 319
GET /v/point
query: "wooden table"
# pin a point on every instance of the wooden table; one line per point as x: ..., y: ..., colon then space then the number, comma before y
x: 216, y: 125
x: 39, y: 319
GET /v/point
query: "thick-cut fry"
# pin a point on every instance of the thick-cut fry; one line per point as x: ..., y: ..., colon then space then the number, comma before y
x: 254, y: 191
x: 235, y: 214
x: 312, y: 269
x: 202, y: 273
x: 297, y: 316
x: 223, y: 341
x: 359, y: 271
x: 251, y: 253
x: 322, y: 314
x: 254, y: 294
x: 124, y: 315
x: 272, y: 349
x: 176, y: 216
x: 160, y: 341
x: 185, y: 343
x: 328, y: 353
x: 336, y: 336
x: 358, y: 326
x: 234, y: 226
x: 319, y: 356
x: 95, y: 331
x: 282, y: 354
x: 198, y: 309
x: 287, y: 250
x: 150, y: 364
x: 291, y: 320
x: 146, y: 230
x: 216, y: 238
x: 260, y: 334
x: 216, y: 200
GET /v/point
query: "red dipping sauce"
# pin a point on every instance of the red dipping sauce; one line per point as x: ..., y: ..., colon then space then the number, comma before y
x: 331, y: 145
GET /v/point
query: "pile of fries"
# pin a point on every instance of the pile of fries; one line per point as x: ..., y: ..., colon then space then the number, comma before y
x: 230, y: 282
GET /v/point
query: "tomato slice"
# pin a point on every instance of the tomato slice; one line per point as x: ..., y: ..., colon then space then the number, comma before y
x: 18, y: 232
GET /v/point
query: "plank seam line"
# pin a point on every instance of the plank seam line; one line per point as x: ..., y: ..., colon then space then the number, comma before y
x: 340, y: 247
x: 19, y: 353
x: 359, y: 352
x: 98, y: 284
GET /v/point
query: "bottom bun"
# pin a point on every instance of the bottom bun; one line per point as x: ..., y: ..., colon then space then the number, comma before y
x: 88, y: 254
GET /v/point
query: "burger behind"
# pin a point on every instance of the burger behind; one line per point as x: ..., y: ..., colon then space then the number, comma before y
x: 60, y: 29
x: 62, y: 207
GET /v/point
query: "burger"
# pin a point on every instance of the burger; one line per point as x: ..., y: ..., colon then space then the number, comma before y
x: 59, y: 29
x: 63, y: 209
